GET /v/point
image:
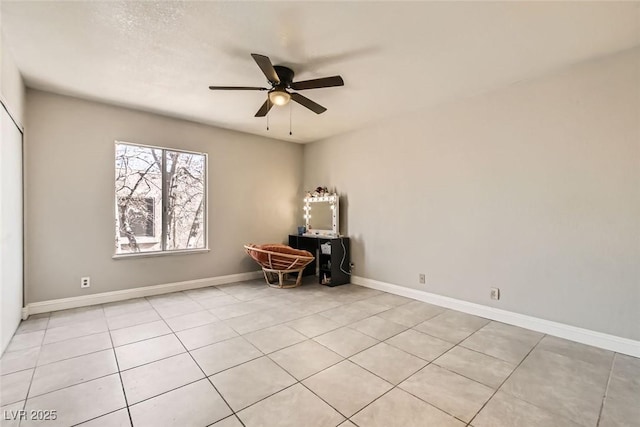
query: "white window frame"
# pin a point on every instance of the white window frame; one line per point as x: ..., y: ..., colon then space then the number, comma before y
x: 165, y: 252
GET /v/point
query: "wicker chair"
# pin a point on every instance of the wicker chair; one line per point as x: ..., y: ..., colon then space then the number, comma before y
x: 279, y: 261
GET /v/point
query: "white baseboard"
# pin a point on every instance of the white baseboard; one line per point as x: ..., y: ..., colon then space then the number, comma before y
x: 145, y: 291
x: 573, y: 333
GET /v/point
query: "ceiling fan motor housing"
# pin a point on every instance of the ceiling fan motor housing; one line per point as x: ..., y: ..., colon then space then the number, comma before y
x: 285, y: 75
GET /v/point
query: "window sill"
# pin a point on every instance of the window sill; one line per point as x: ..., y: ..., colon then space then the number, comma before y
x: 157, y: 254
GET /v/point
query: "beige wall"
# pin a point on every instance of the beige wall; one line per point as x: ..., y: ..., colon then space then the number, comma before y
x: 254, y: 183
x: 11, y: 84
x: 534, y: 189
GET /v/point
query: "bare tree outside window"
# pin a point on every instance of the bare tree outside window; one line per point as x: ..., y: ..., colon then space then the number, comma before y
x: 151, y: 181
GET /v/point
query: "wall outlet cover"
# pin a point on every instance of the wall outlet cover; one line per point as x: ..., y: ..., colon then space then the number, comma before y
x: 85, y: 282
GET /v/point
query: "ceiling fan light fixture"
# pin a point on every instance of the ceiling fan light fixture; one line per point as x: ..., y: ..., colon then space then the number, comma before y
x: 279, y: 97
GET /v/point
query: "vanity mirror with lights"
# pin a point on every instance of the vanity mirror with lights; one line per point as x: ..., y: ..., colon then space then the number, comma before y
x: 332, y: 264
x: 322, y: 215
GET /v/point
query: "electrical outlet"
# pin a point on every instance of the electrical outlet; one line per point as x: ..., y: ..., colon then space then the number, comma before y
x: 85, y: 282
x: 423, y: 278
x: 495, y: 293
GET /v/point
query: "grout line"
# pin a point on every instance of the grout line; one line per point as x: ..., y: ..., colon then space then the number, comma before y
x: 100, y: 416
x: 507, y: 378
x: 203, y: 373
x: 33, y: 374
x: 207, y: 378
x: 606, y: 389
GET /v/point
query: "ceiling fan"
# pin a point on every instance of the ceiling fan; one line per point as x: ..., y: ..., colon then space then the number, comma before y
x: 281, y: 79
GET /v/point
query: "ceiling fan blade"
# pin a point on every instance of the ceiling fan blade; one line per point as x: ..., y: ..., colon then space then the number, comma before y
x: 237, y: 88
x: 264, y: 109
x: 306, y: 102
x: 267, y: 68
x: 318, y: 83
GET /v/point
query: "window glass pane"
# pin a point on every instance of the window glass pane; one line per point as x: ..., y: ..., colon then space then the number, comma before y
x: 138, y: 199
x: 185, y: 225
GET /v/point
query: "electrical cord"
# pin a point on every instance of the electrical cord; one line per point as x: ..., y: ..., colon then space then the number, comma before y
x: 344, y: 255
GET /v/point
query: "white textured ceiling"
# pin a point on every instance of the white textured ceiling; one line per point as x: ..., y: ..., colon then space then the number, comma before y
x: 394, y: 57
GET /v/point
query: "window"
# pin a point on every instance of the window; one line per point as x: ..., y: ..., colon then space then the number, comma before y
x: 160, y: 199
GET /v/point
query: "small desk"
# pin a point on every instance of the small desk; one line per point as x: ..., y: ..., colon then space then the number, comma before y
x: 332, y: 268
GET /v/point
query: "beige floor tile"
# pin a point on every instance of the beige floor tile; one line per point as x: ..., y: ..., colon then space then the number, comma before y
x: 505, y: 342
x: 306, y: 358
x: 452, y: 326
x: 15, y: 386
x: 202, y: 293
x: 390, y: 300
x: 388, y: 362
x: 412, y: 313
x: 216, y: 301
x: 132, y: 319
x: 118, y: 418
x: 345, y: 314
x: 313, y: 325
x: 159, y: 377
x: 68, y: 372
x: 230, y: 311
x: 274, y: 338
x: 622, y: 405
x: 378, y: 327
x: 347, y: 387
x: 424, y: 346
x: 586, y: 353
x: 81, y: 402
x: 347, y: 424
x: 252, y: 294
x: 32, y: 325
x: 139, y: 333
x: 119, y: 308
x: 477, y: 366
x: 225, y: 354
x: 141, y: 352
x: 314, y: 305
x: 369, y: 307
x: 26, y: 340
x: 177, y: 309
x: 293, y: 407
x: 250, y: 382
x: 196, y: 404
x: 204, y: 335
x: 231, y: 421
x: 504, y: 410
x: 563, y: 385
x: 450, y: 392
x: 172, y: 298
x: 400, y: 409
x: 191, y: 320
x: 345, y: 341
x: 256, y: 321
x: 75, y: 330
x: 74, y: 347
x: 19, y: 360
x: 76, y: 315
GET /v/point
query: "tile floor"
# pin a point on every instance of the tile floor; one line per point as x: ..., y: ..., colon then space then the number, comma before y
x: 248, y: 355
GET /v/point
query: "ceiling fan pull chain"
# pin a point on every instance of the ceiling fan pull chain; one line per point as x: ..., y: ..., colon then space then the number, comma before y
x: 290, y: 119
x: 267, y: 114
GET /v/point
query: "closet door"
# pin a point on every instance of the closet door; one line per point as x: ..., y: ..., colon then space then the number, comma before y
x: 10, y: 228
